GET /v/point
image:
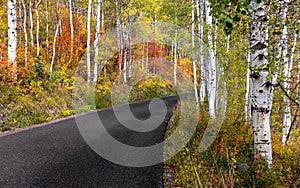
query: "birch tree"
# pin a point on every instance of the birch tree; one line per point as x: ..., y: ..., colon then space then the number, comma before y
x: 25, y: 32
x: 55, y: 37
x: 287, y: 85
x: 287, y: 117
x: 247, y: 92
x: 193, y: 46
x: 71, y: 26
x: 12, y: 34
x: 119, y: 35
x: 31, y: 24
x: 97, y: 40
x: 261, y: 87
x: 212, y: 76
x: 47, y: 29
x: 199, y: 5
x: 88, y: 52
x: 37, y: 28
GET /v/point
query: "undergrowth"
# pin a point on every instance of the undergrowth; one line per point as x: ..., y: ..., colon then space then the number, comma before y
x: 229, y: 161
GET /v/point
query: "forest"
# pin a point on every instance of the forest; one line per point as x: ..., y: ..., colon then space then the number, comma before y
x: 240, y: 59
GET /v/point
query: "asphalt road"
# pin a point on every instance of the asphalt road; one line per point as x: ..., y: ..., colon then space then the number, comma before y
x: 55, y: 155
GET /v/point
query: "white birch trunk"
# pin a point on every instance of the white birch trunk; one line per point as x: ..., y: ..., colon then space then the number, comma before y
x: 212, y: 76
x: 71, y: 26
x: 25, y: 33
x: 194, y: 60
x: 96, y: 42
x: 102, y: 14
x: 31, y: 23
x: 130, y: 71
x: 37, y: 29
x: 202, y: 90
x: 119, y: 36
x: 125, y: 63
x: 88, y: 43
x: 53, y: 47
x: 247, y: 92
x: 287, y: 116
x: 47, y: 30
x: 175, y: 59
x: 12, y: 34
x: 282, y: 14
x: 227, y: 44
x: 261, y: 87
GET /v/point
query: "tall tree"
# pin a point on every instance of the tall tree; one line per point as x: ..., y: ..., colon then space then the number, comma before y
x: 31, y: 24
x: 97, y: 40
x: 194, y: 60
x: 12, y: 34
x: 88, y: 43
x: 261, y: 87
x: 47, y: 30
x: 37, y: 28
x: 119, y: 34
x: 202, y: 91
x: 25, y: 32
x: 287, y: 117
x: 71, y: 25
x: 212, y: 76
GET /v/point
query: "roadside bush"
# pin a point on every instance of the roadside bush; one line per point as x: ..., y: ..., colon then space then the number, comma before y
x: 153, y: 87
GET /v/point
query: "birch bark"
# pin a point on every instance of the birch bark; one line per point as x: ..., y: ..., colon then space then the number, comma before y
x: 202, y: 91
x: 97, y: 40
x: 261, y: 87
x: 47, y: 30
x: 88, y: 43
x: 25, y: 33
x: 12, y: 34
x: 31, y: 24
x: 194, y: 60
x: 37, y: 28
x: 71, y: 26
x: 212, y: 76
x: 287, y: 117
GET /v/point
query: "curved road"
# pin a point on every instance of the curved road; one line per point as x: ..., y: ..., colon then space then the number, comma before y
x: 55, y: 155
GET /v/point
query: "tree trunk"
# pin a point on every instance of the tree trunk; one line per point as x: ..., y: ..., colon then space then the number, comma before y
x: 12, y: 34
x: 175, y: 59
x: 71, y: 27
x: 47, y: 30
x: 96, y: 42
x: 37, y: 29
x: 31, y: 24
x: 194, y: 60
x: 199, y: 4
x: 54, y: 39
x: 212, y: 76
x: 261, y: 87
x: 247, y: 92
x: 119, y: 36
x: 25, y: 33
x: 53, y: 47
x: 282, y: 15
x: 287, y: 116
x: 125, y: 62
x: 88, y: 43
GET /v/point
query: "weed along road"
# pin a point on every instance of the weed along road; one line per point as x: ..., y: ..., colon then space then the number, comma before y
x: 56, y: 155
